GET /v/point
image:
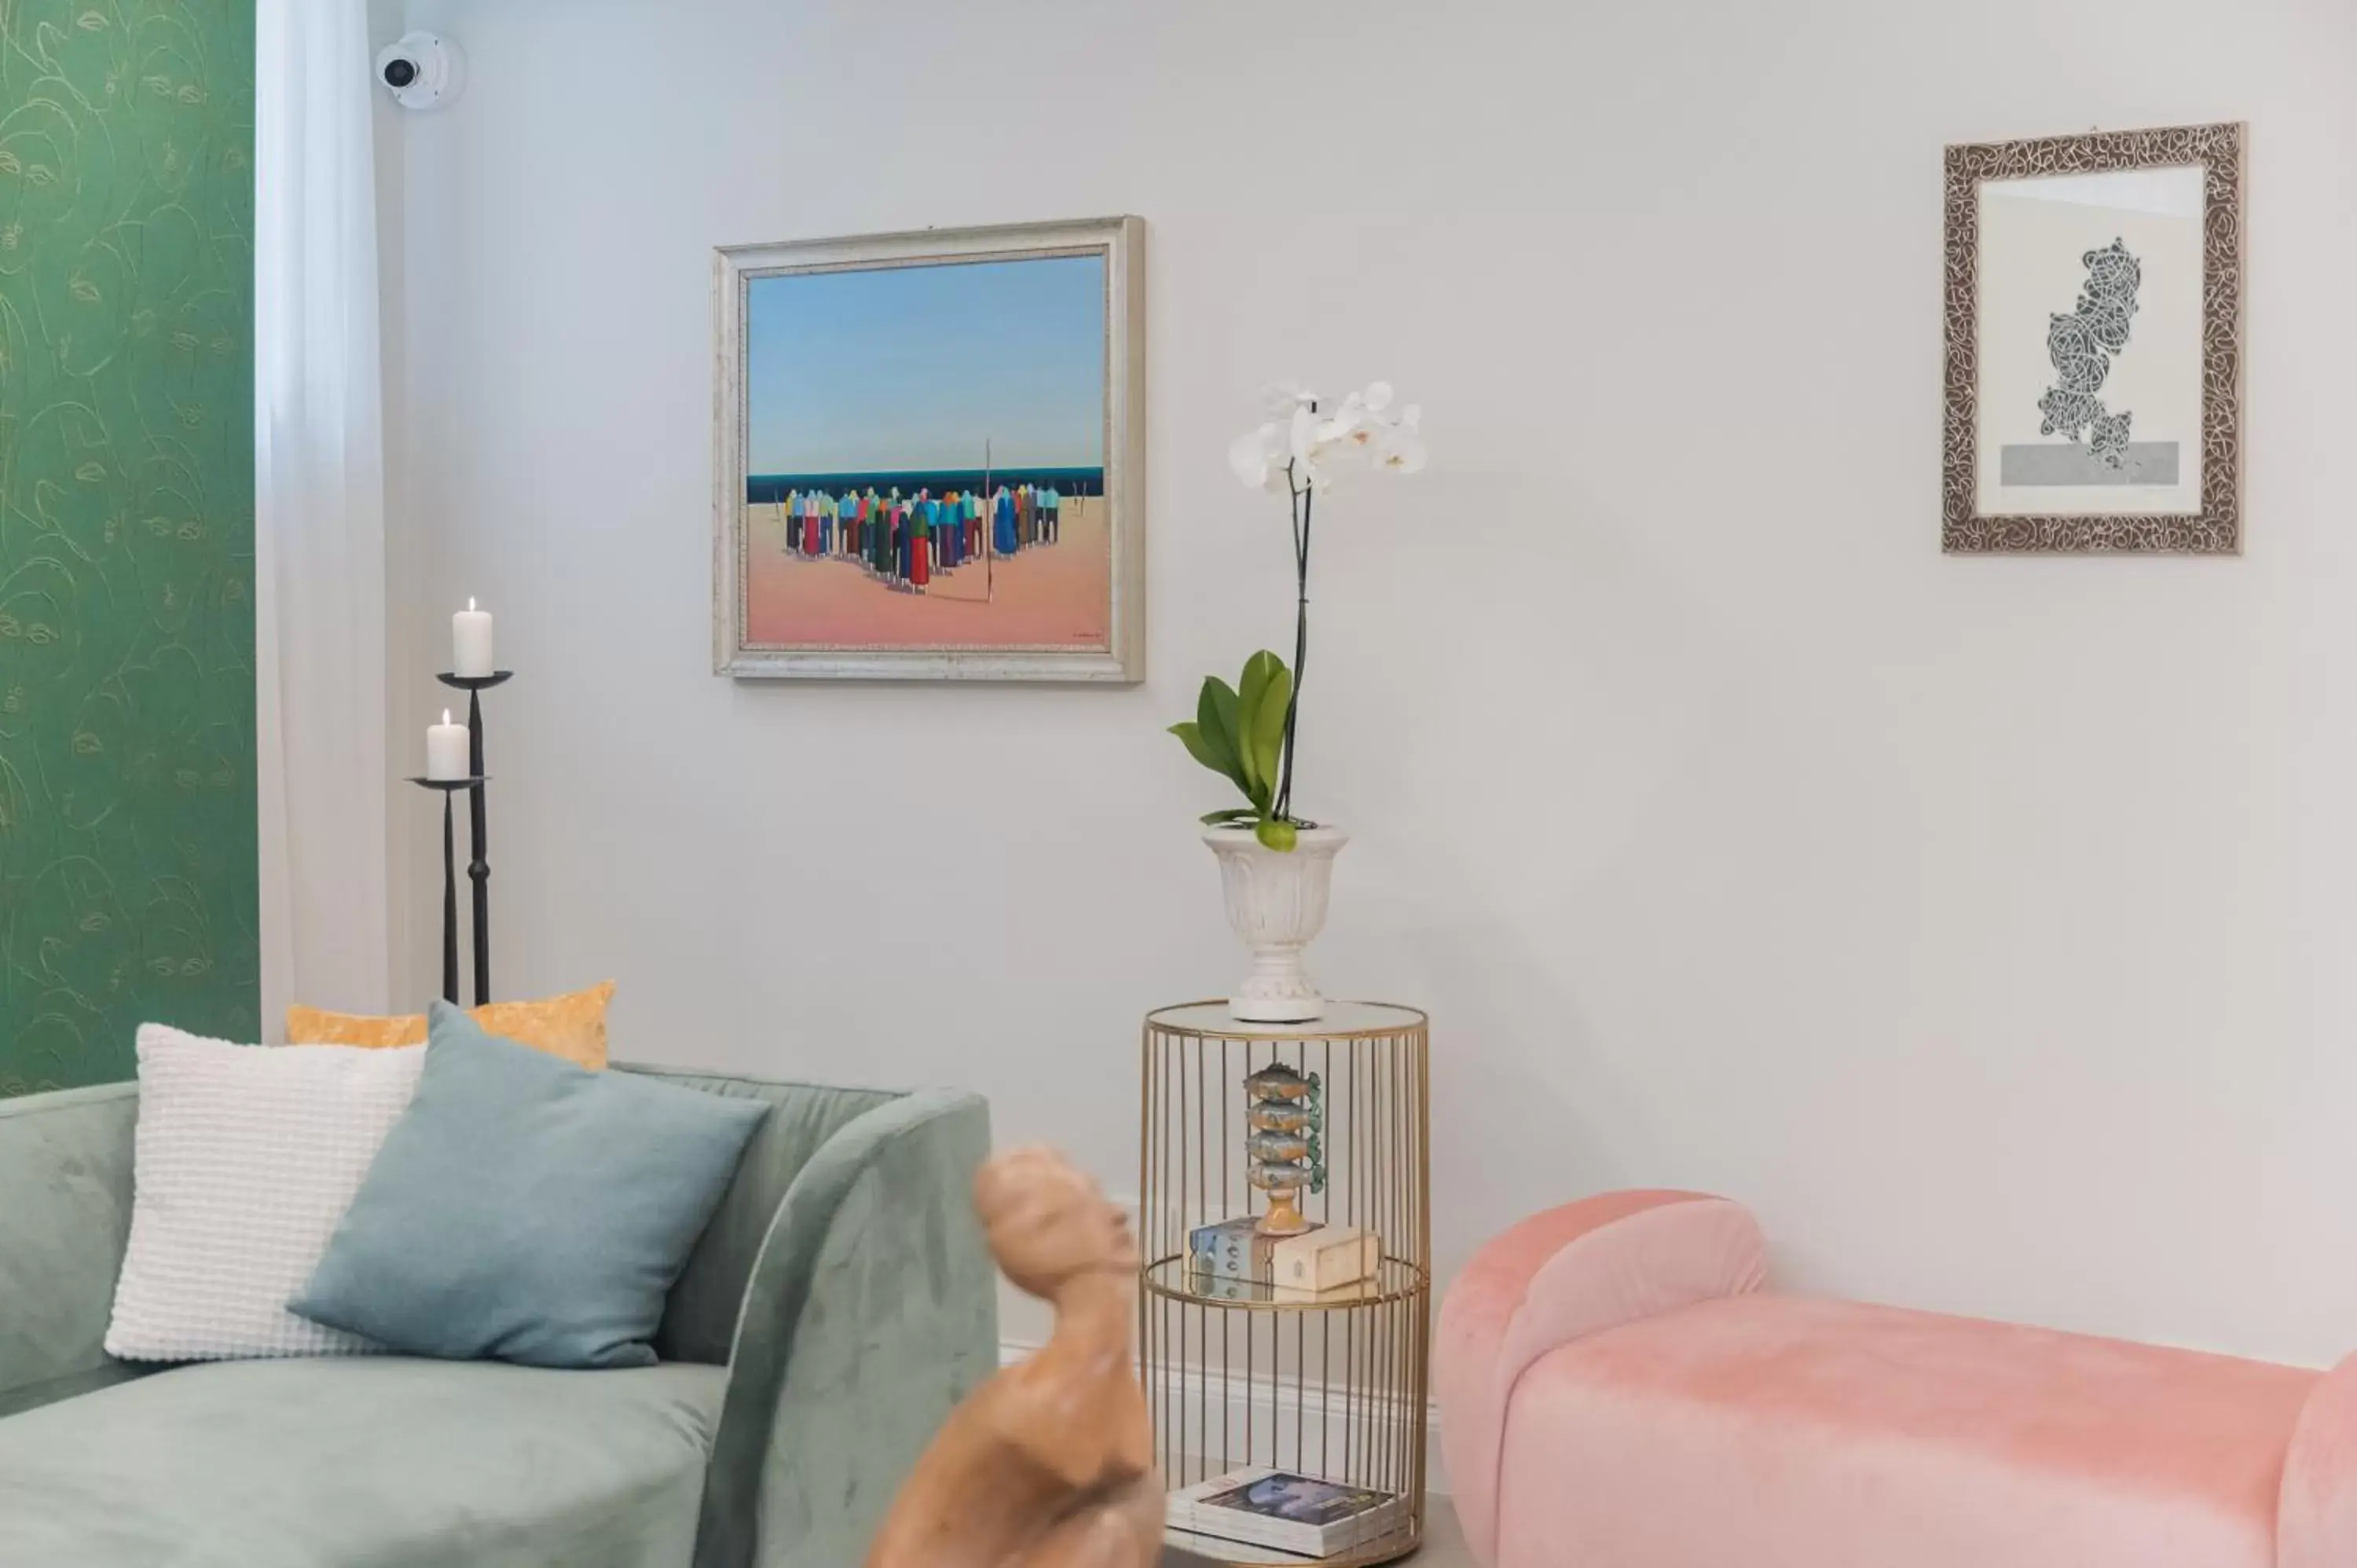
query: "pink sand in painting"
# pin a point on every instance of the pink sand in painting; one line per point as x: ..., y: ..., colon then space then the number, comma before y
x: 1054, y: 596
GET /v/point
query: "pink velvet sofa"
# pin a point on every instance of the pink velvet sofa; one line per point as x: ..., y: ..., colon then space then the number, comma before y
x: 1617, y: 1392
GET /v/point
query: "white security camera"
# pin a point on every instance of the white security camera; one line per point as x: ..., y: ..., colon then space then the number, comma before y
x: 424, y: 71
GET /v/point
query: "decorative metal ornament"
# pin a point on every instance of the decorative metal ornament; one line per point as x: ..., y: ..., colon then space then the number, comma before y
x: 1287, y: 1115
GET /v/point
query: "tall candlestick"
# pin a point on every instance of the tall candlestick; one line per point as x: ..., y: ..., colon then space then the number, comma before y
x: 470, y: 642
x: 446, y: 749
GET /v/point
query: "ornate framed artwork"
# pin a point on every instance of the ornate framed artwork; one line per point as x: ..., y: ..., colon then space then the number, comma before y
x: 928, y: 455
x: 2094, y: 344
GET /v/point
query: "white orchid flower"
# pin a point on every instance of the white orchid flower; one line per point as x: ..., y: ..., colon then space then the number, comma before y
x: 1341, y: 435
x: 1308, y: 453
x: 1362, y: 427
x: 1401, y: 451
x: 1306, y: 446
x: 1400, y: 447
x: 1259, y: 456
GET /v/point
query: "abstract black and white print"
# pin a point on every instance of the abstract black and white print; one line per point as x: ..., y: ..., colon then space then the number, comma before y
x: 2081, y: 344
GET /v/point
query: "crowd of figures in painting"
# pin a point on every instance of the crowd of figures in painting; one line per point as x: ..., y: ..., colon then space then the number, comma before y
x: 905, y: 542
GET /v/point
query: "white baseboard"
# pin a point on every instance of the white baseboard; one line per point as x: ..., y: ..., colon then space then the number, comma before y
x: 1263, y: 1407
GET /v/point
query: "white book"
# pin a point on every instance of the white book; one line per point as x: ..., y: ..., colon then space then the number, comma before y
x: 1290, y: 1512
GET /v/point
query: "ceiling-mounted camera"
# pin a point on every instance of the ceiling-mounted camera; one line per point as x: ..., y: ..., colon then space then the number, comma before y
x: 424, y: 71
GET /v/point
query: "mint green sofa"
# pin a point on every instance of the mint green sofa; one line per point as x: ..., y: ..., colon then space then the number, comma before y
x: 841, y: 1301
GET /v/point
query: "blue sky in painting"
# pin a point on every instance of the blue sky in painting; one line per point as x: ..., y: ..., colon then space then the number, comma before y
x: 914, y: 367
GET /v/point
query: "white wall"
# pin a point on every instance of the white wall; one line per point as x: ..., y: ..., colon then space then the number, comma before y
x: 1982, y: 922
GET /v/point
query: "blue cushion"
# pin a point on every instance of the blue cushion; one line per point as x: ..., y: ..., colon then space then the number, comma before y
x: 526, y: 1210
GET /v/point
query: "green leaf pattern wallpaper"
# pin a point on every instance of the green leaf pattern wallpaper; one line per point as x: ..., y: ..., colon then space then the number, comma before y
x: 128, y: 887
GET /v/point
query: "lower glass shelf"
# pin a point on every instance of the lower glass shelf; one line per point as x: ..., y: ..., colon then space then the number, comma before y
x: 1395, y: 1279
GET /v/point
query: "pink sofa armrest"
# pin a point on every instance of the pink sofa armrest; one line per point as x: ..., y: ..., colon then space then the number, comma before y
x: 1558, y: 1276
x: 2315, y: 1515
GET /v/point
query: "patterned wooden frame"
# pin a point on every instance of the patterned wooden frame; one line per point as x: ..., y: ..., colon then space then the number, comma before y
x: 2217, y: 528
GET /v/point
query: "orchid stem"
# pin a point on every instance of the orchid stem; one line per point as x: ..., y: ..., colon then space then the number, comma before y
x: 1303, y: 499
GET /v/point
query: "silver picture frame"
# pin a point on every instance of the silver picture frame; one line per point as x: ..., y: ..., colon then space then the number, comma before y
x: 1121, y: 657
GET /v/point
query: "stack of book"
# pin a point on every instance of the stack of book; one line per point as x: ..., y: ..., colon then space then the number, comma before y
x: 1322, y: 1263
x: 1286, y: 1513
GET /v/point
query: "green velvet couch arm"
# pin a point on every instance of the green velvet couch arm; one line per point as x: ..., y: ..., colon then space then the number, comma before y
x: 872, y: 1310
x: 65, y: 1218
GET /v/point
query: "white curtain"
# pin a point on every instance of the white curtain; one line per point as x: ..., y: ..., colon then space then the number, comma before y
x: 319, y: 514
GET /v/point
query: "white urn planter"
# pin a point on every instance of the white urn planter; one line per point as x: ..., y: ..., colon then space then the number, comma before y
x: 1276, y: 902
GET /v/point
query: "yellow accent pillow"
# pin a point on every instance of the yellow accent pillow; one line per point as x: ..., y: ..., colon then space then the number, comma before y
x: 572, y: 1026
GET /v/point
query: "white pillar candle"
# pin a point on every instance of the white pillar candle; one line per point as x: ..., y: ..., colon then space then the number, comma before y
x: 446, y: 749
x: 470, y: 642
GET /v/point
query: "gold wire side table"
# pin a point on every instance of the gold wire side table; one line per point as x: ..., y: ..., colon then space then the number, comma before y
x: 1241, y: 1373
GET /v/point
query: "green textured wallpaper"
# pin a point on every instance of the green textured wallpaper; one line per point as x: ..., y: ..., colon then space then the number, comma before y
x: 127, y: 880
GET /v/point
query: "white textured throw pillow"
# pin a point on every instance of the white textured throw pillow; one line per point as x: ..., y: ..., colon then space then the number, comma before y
x: 245, y: 1160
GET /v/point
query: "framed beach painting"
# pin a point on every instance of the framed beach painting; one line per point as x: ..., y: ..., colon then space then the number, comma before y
x: 928, y: 460
x: 2094, y: 343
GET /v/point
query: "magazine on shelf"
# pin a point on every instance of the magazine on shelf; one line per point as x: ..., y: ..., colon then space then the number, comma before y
x: 1215, y: 1549
x: 1296, y: 1513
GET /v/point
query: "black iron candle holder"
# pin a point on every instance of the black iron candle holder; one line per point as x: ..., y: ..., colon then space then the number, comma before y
x: 479, y: 869
x: 450, y: 787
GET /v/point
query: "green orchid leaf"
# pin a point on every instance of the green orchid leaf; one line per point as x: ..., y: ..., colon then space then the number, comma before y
x: 1190, y: 736
x: 1252, y: 691
x: 1215, y: 721
x: 1277, y: 835
x: 1232, y: 815
x: 1265, y: 744
x: 1215, y: 709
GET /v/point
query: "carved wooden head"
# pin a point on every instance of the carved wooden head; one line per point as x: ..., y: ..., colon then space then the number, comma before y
x: 1049, y: 1221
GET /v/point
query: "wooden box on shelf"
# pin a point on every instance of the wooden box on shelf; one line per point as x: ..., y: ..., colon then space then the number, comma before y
x: 1323, y: 1259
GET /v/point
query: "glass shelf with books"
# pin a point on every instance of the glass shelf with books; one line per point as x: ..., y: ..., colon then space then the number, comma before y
x: 1393, y: 1280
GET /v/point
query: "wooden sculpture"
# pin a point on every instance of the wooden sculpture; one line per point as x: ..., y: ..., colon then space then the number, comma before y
x: 1050, y: 1463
